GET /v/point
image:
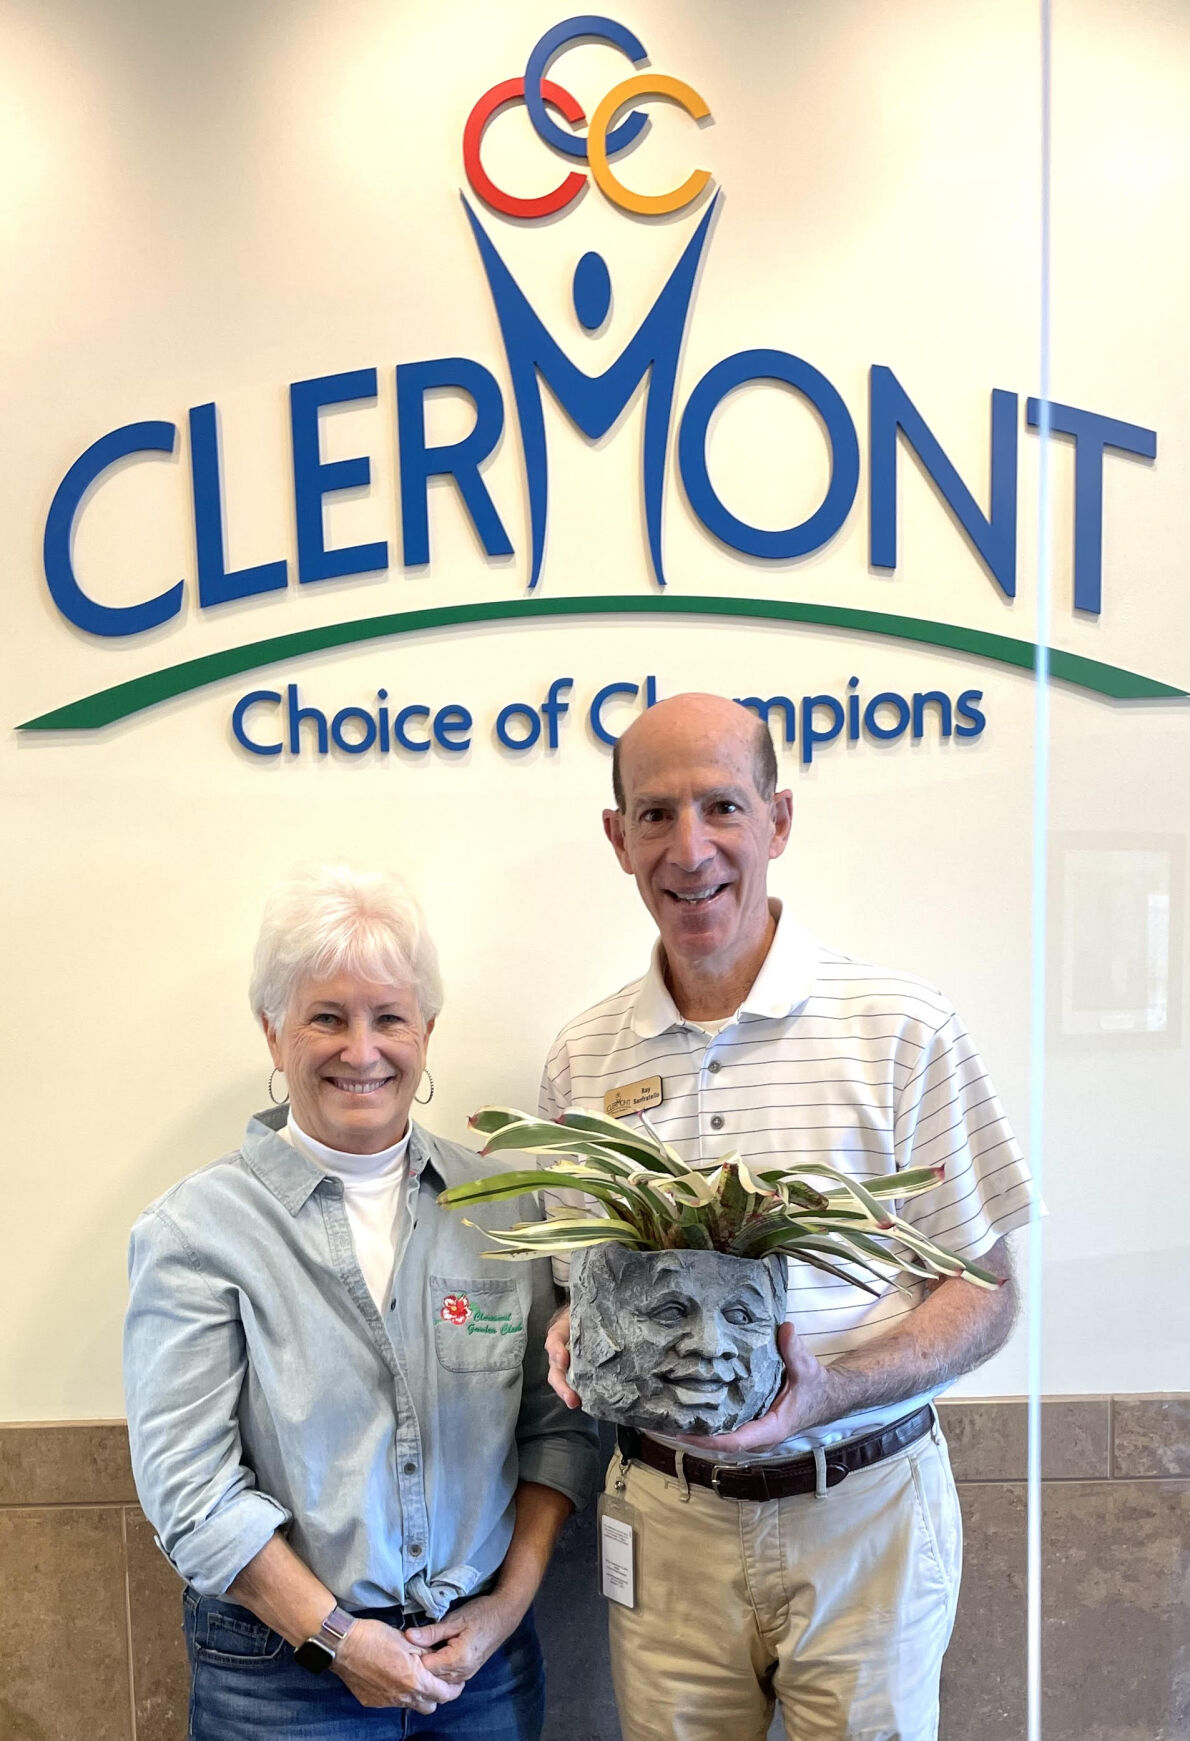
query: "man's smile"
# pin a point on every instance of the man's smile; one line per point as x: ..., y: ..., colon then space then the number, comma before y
x: 695, y: 897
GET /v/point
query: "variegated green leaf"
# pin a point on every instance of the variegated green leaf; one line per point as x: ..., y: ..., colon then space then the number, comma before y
x: 694, y: 1185
x: 645, y: 1147
x: 879, y: 1254
x: 946, y: 1263
x: 672, y: 1155
x: 852, y: 1187
x: 793, y: 1189
x: 494, y: 1186
x: 535, y: 1136
x: 497, y: 1186
x: 752, y: 1182
x: 694, y: 1235
x: 818, y: 1256
x: 910, y: 1182
x: 493, y: 1118
x: 559, y: 1236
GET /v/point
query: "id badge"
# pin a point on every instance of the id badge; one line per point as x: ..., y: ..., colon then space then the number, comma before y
x: 619, y: 1536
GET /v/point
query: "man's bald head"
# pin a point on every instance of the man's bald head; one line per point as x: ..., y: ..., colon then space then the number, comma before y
x: 693, y: 716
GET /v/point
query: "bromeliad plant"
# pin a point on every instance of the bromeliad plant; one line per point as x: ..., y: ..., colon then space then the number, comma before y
x: 650, y: 1199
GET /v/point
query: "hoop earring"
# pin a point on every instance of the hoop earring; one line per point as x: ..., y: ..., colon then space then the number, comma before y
x: 273, y: 1073
x: 430, y: 1095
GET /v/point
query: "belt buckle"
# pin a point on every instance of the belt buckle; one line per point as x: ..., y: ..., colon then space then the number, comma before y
x: 719, y: 1469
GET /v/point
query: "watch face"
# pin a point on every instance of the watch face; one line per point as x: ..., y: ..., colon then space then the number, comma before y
x: 314, y: 1655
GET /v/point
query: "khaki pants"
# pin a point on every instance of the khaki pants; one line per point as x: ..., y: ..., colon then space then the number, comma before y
x: 839, y: 1608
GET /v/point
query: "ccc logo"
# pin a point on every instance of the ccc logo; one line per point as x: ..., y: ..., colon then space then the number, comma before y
x: 602, y: 141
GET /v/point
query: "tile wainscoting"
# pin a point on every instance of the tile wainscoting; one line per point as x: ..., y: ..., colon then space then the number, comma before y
x: 90, y: 1646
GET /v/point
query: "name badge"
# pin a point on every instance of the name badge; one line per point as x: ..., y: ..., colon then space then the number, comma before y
x: 617, y: 1557
x: 633, y: 1097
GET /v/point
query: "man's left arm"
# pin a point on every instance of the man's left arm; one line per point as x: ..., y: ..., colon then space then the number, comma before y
x: 949, y: 1117
x: 954, y: 1329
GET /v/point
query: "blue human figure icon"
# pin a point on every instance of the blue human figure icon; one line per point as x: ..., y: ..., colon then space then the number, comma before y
x: 593, y: 402
x: 592, y: 291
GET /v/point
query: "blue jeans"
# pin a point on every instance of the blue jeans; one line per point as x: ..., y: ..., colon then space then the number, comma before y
x: 245, y: 1686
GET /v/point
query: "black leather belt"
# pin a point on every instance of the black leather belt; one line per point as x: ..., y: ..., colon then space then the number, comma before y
x: 777, y: 1480
x: 406, y: 1618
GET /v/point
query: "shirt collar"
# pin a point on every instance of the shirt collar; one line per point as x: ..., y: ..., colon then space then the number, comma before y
x: 386, y: 1162
x: 785, y: 980
x: 292, y: 1176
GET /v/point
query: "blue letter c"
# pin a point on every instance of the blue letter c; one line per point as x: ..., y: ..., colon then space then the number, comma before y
x: 237, y: 721
x: 596, y: 713
x: 65, y: 590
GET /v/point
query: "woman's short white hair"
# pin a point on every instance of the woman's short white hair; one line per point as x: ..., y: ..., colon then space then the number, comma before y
x: 325, y: 919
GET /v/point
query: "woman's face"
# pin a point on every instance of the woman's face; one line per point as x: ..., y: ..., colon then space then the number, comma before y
x: 353, y: 1052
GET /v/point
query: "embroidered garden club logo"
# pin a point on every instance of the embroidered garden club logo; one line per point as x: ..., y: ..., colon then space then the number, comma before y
x: 586, y: 155
x: 461, y: 1313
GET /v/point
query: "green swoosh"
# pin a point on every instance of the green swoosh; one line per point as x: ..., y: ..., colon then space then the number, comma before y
x: 123, y: 699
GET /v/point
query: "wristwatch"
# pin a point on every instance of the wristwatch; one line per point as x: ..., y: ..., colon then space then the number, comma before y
x: 318, y: 1653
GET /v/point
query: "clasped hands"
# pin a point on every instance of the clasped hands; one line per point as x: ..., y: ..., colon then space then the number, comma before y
x: 807, y: 1396
x: 426, y: 1666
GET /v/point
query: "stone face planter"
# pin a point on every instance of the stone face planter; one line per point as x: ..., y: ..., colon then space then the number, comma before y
x: 675, y: 1341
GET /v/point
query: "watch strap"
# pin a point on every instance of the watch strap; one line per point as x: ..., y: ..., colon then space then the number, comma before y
x: 318, y: 1652
x: 335, y: 1627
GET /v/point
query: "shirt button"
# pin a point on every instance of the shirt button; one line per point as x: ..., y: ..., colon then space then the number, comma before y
x: 415, y: 1552
x: 392, y: 1305
x: 714, y: 1066
x: 717, y: 1122
x: 409, y: 1468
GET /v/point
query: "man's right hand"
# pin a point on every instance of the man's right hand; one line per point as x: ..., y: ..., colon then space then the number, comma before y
x: 379, y: 1665
x: 557, y: 1346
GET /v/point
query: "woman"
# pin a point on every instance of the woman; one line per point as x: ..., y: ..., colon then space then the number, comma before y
x: 340, y: 1420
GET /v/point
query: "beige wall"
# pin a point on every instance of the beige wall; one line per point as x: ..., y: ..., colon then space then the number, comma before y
x: 210, y: 203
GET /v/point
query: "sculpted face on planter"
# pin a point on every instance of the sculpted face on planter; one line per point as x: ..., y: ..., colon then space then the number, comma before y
x: 675, y: 1341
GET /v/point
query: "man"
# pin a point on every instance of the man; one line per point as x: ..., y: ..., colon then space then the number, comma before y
x: 812, y: 1556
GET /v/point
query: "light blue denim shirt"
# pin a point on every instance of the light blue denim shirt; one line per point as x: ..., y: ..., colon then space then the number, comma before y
x: 265, y: 1390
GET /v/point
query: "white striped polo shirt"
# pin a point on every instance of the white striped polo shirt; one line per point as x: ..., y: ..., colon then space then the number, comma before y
x: 829, y: 1059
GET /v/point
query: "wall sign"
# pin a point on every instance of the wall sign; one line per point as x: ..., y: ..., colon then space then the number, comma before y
x: 675, y: 425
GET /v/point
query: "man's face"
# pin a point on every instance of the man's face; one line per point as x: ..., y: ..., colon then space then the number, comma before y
x: 696, y: 833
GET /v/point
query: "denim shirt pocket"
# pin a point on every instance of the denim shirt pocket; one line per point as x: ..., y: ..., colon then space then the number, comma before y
x: 479, y: 1324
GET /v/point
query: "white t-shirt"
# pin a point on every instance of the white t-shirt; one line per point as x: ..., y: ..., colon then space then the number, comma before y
x: 827, y: 1059
x: 373, y: 1189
